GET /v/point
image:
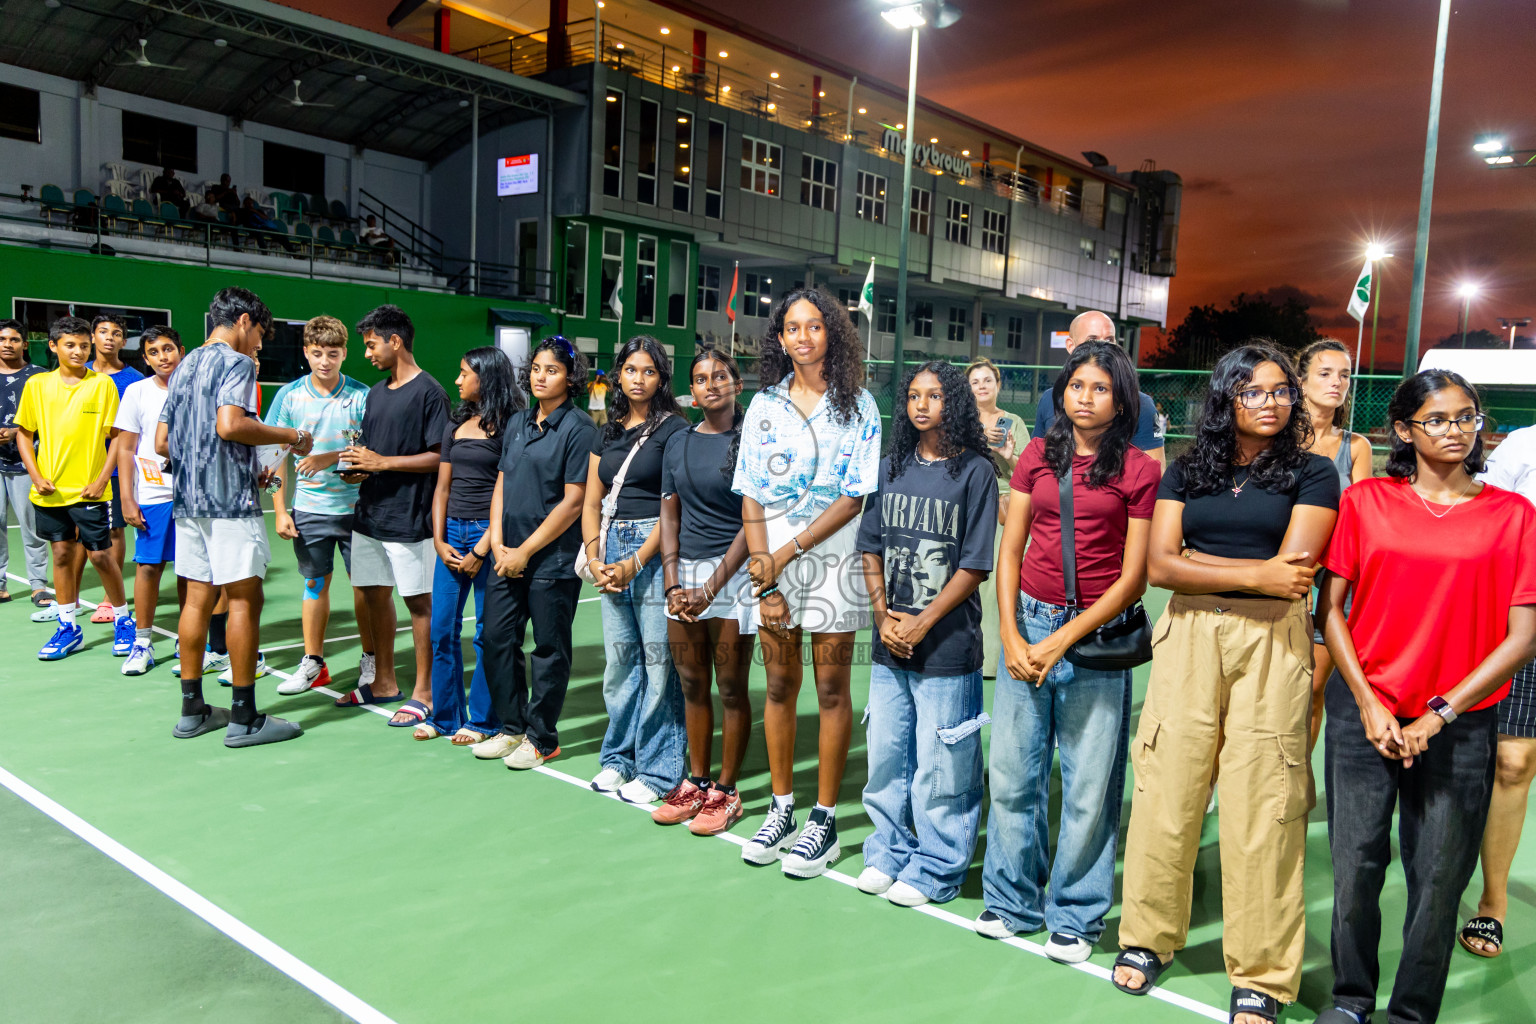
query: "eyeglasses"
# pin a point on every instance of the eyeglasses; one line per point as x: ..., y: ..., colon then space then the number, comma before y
x: 1254, y: 398
x: 1439, y: 426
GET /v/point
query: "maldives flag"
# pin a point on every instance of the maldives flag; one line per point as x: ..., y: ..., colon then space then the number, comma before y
x: 730, y: 304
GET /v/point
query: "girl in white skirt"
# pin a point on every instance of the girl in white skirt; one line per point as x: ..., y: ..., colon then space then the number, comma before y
x: 709, y: 600
x: 810, y: 452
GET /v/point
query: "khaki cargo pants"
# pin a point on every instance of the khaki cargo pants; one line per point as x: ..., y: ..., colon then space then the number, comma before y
x: 1234, y: 676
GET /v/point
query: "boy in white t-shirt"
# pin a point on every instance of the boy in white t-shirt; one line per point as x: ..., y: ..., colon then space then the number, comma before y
x: 145, y: 483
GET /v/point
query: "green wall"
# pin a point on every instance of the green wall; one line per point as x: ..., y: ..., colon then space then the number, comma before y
x: 446, y: 325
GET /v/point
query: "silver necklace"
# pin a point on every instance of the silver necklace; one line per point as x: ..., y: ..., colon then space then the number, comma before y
x: 1449, y: 509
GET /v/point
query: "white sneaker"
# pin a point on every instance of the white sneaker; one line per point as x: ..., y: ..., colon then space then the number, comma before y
x: 609, y: 780
x: 140, y: 659
x: 1067, y: 949
x: 493, y: 747
x: 904, y: 895
x: 874, y: 881
x: 227, y: 676
x: 310, y: 674
x: 526, y: 756
x: 211, y: 662
x: 991, y: 926
x: 637, y: 792
x: 366, y: 669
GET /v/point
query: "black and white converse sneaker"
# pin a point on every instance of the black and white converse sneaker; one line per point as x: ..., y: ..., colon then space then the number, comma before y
x: 773, y: 838
x: 815, y: 849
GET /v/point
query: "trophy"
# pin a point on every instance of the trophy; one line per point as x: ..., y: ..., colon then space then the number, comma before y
x: 351, y: 435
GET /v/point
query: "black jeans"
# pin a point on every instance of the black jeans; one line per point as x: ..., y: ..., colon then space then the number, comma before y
x: 509, y: 606
x: 1442, y: 805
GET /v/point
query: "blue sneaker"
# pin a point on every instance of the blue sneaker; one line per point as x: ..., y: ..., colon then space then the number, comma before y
x: 124, y: 632
x: 65, y: 641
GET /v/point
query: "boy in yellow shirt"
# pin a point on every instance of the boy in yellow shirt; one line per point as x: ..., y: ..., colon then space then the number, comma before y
x: 68, y: 413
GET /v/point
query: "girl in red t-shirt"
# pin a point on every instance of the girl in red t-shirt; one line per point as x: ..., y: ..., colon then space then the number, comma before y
x: 1443, y: 574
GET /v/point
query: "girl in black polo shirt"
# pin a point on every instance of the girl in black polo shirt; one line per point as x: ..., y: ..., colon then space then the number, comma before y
x: 709, y: 596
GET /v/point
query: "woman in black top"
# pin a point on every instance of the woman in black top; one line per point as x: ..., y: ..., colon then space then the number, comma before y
x: 461, y: 517
x: 1239, y: 523
x: 709, y: 596
x: 642, y: 751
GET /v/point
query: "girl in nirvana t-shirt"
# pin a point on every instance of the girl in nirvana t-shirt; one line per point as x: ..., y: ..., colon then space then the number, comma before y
x: 1442, y: 570
x: 1045, y: 702
x: 1239, y: 523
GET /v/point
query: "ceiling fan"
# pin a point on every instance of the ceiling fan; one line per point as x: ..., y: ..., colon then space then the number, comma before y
x: 143, y: 61
x: 299, y: 101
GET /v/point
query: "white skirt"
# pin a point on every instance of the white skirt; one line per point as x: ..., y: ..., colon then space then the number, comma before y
x: 734, y: 601
x: 825, y: 586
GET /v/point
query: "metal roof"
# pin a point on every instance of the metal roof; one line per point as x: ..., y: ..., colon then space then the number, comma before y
x: 239, y: 58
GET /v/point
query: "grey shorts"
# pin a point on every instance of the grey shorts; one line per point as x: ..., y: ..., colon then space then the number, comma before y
x: 319, y: 537
x: 1517, y: 712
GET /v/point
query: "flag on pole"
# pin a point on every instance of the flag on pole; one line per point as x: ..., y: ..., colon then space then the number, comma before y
x: 730, y: 304
x: 867, y: 296
x: 616, y: 301
x: 1360, y: 298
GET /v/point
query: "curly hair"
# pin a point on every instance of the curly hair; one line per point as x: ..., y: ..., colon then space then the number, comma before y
x: 961, y: 423
x: 1304, y: 363
x: 574, y: 362
x: 843, y: 367
x: 1060, y: 439
x: 709, y: 352
x: 663, y: 402
x: 1207, y: 465
x: 1408, y: 399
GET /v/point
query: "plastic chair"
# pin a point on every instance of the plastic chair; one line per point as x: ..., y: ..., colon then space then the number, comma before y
x: 51, y: 199
x: 84, y: 197
x: 171, y: 218
x: 113, y: 209
x: 143, y: 212
x: 300, y: 204
x: 319, y: 205
x: 304, y: 233
x: 339, y: 211
x: 119, y: 172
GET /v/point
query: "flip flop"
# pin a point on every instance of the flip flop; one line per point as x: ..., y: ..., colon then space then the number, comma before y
x: 415, y: 709
x: 363, y: 696
x: 1489, y: 930
x: 425, y: 731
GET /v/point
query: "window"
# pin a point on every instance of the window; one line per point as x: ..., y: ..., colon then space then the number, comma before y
x: 885, y: 314
x: 709, y: 289
x: 848, y: 297
x: 959, y: 320
x: 957, y: 222
x: 922, y: 211
x: 756, y: 294
x: 161, y: 143
x: 1074, y: 196
x: 645, y: 280
x: 613, y: 145
x: 292, y: 169
x: 714, y: 179
x: 576, y: 270
x: 682, y: 163
x: 818, y: 183
x: 1086, y: 246
x: 677, y: 285
x: 650, y: 142
x: 1016, y: 332
x: 1116, y: 256
x: 994, y: 231
x: 1116, y: 202
x: 21, y: 113
x: 613, y: 271
x: 869, y: 201
x: 922, y: 320
x: 761, y: 166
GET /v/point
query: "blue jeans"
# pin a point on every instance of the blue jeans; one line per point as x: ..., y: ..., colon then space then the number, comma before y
x: 924, y: 791
x: 645, y: 739
x: 1086, y: 715
x: 450, y: 591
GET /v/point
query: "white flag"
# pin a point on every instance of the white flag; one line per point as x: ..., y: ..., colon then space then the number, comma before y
x: 867, y: 296
x: 616, y: 301
x: 1360, y: 298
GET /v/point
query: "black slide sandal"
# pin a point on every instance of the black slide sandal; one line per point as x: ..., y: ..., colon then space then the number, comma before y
x: 1488, y: 929
x: 1247, y: 1000
x: 1143, y: 960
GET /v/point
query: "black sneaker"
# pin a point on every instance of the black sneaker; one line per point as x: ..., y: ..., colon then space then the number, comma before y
x: 816, y: 847
x: 773, y: 838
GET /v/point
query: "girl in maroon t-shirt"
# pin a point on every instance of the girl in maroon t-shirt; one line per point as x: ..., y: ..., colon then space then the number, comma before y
x: 1443, y: 574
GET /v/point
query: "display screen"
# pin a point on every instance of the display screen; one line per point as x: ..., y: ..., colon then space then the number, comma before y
x: 517, y: 175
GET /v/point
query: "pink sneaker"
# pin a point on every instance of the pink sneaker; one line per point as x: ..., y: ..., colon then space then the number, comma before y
x: 719, y: 813
x: 678, y: 806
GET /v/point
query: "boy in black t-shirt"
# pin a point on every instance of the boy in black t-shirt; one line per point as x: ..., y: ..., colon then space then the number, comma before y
x: 396, y: 463
x: 15, y: 485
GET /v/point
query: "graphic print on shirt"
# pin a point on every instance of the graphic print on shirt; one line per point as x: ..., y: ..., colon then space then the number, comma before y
x: 805, y: 463
x: 927, y: 531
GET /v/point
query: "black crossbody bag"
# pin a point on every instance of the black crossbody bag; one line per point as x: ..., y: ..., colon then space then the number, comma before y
x: 1123, y: 642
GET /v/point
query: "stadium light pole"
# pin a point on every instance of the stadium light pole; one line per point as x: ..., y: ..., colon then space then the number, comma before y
x: 1375, y: 252
x: 1426, y: 193
x: 1495, y: 151
x: 911, y: 16
x: 1467, y: 292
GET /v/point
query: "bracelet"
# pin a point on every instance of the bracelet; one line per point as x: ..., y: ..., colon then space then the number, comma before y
x: 708, y: 597
x: 813, y: 535
x: 795, y: 540
x: 771, y: 590
x: 675, y: 586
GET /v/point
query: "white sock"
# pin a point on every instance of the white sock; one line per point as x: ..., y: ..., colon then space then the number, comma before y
x: 786, y: 803
x: 830, y: 812
x: 120, y: 612
x: 66, y: 613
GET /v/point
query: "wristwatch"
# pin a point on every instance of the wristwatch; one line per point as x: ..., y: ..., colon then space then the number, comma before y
x: 1442, y: 707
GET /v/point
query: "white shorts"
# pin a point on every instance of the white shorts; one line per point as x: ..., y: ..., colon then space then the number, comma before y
x: 220, y: 551
x: 407, y: 566
x: 824, y: 587
x: 734, y: 601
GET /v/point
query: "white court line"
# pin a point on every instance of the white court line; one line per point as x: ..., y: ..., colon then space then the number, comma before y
x: 210, y: 912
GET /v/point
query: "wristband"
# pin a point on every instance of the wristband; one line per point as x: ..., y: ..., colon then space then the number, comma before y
x: 675, y: 586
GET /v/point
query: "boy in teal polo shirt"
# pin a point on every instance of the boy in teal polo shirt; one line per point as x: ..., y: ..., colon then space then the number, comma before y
x: 325, y: 403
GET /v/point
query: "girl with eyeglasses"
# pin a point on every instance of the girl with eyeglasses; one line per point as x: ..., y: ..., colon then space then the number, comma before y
x: 1239, y: 522
x: 1442, y: 569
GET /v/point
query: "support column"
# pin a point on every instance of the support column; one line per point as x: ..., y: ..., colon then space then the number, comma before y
x: 474, y: 189
x: 700, y: 47
x: 440, y: 23
x: 815, y: 97
x: 557, y: 46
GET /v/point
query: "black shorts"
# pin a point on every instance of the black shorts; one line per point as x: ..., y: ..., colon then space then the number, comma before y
x: 1517, y: 712
x: 319, y: 537
x: 118, y: 522
x: 86, y: 521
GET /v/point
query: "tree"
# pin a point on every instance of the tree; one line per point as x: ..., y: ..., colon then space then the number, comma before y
x: 1479, y: 338
x: 1207, y: 332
